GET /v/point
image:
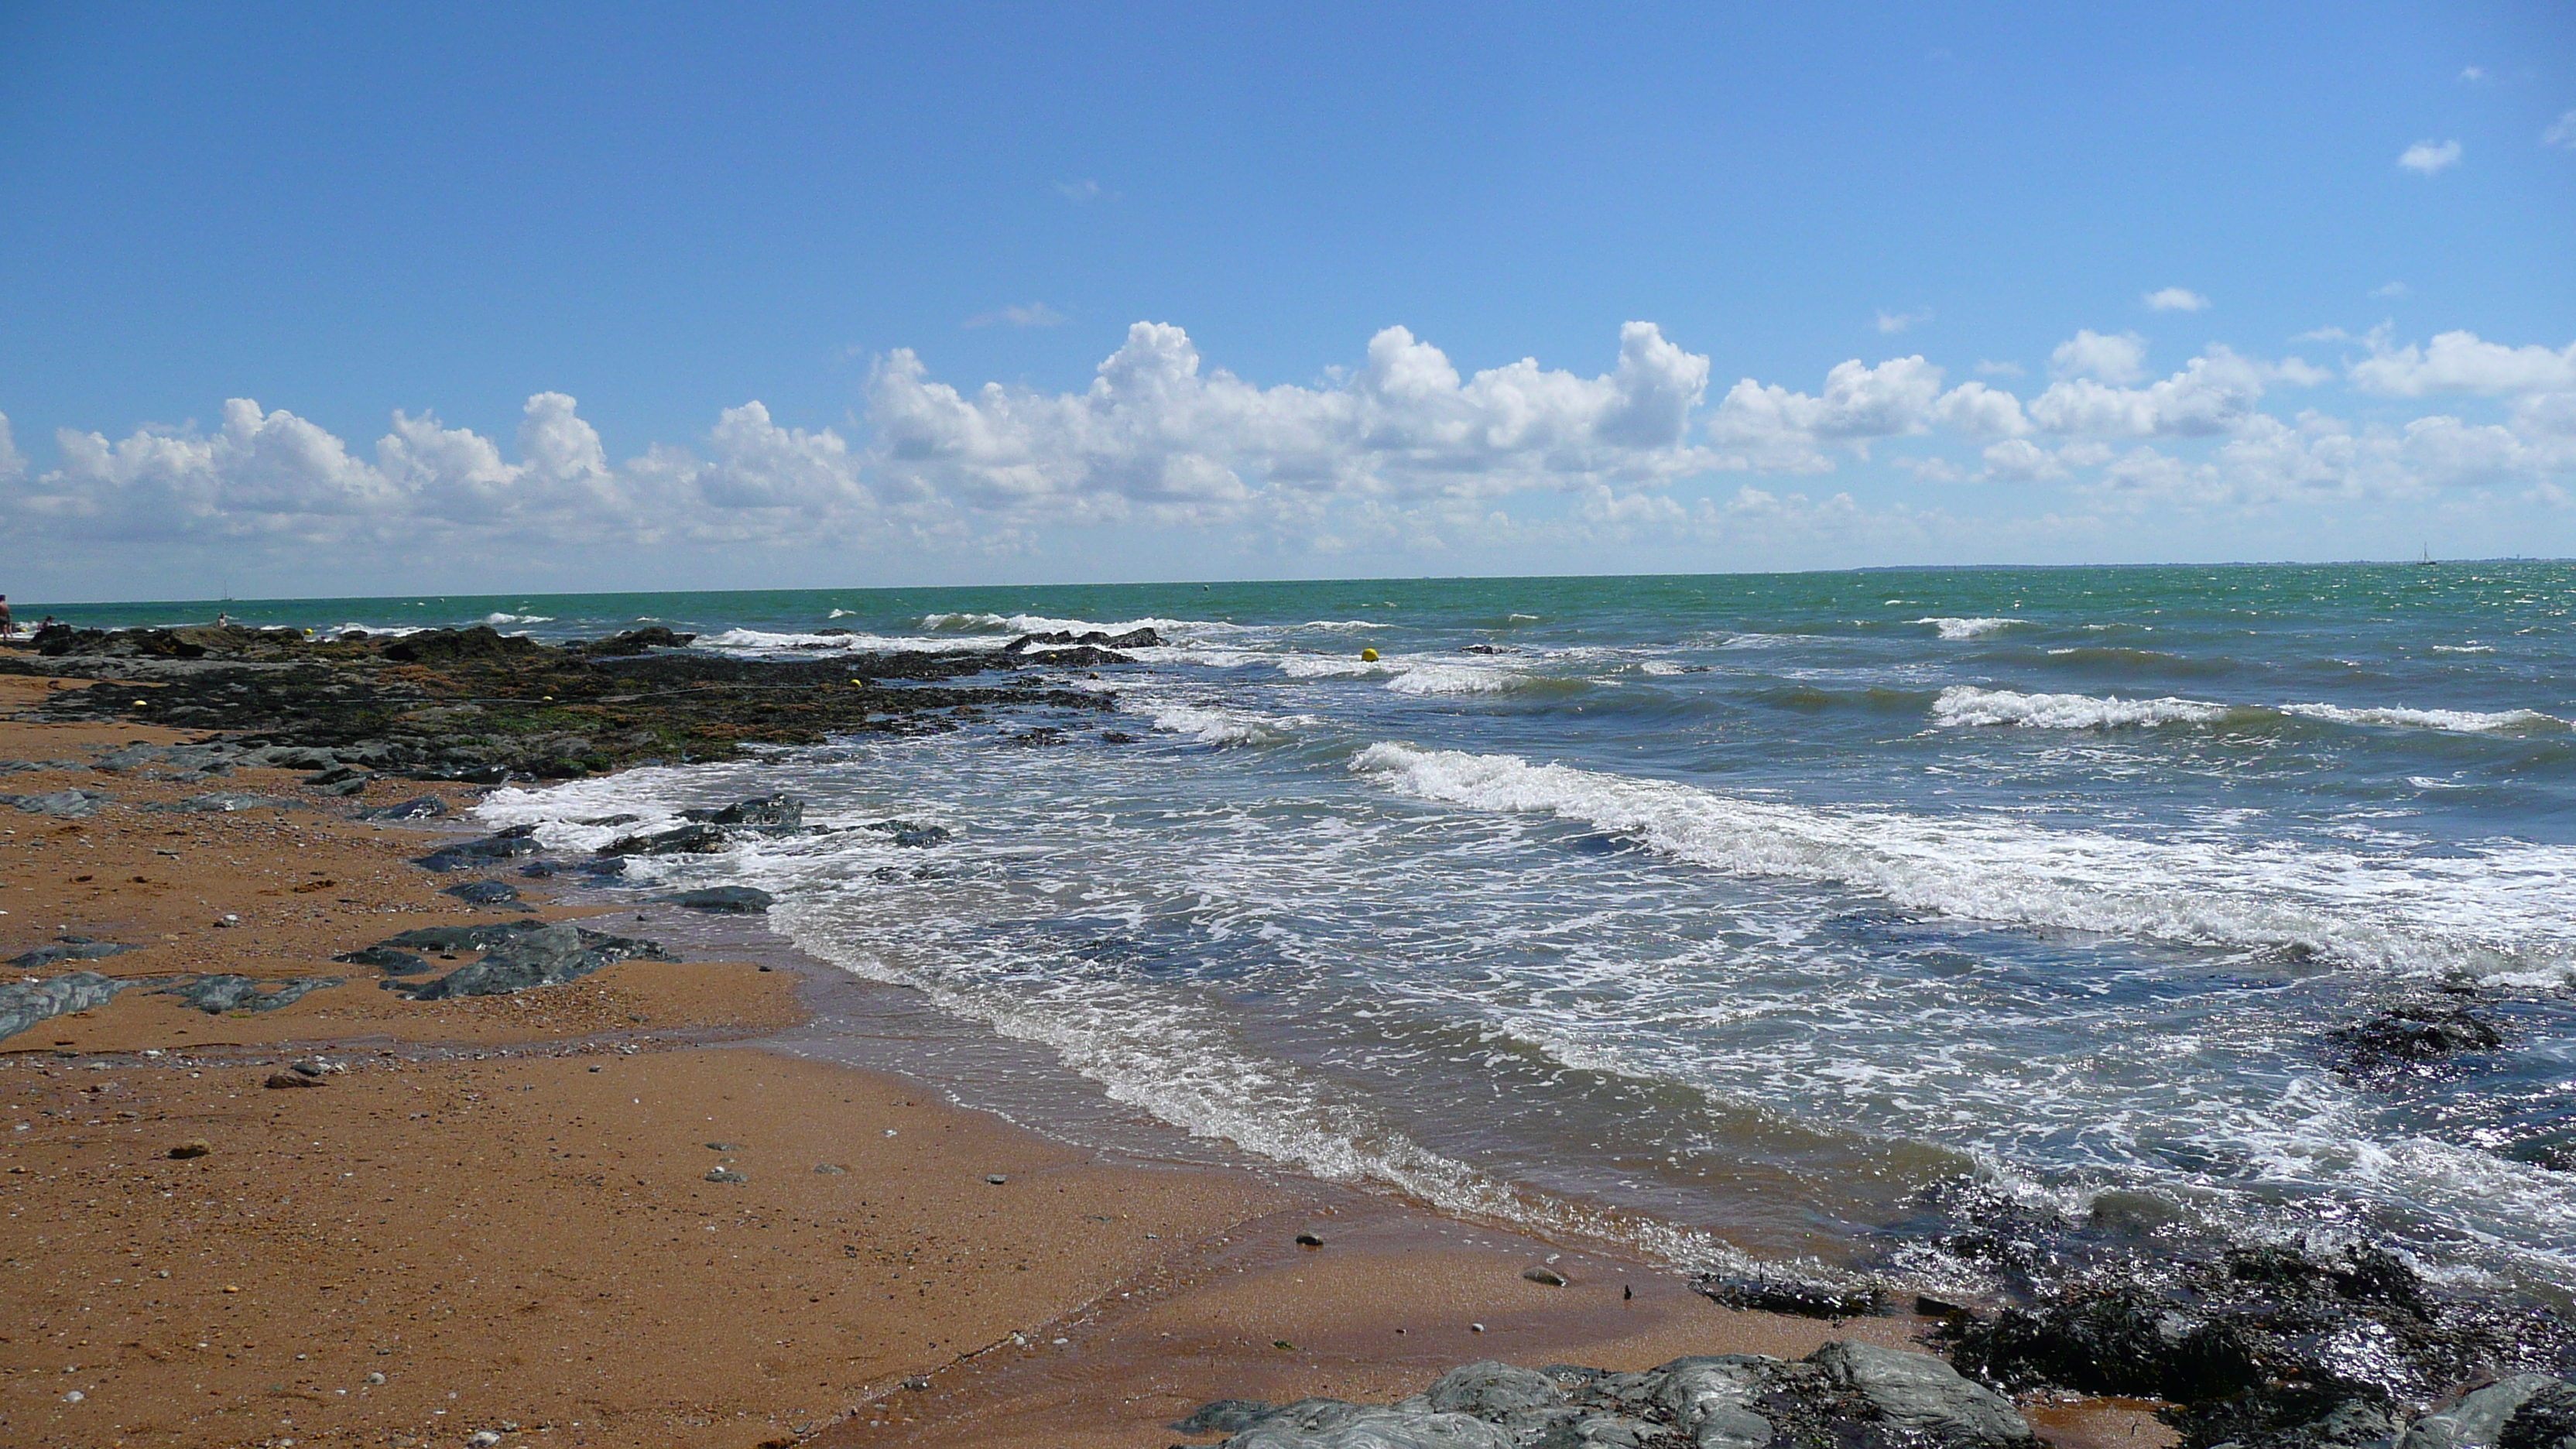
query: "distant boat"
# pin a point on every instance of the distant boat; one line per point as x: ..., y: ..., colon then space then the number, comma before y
x: 2427, y: 558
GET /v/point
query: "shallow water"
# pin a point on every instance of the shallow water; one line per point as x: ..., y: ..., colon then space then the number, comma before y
x: 1722, y: 915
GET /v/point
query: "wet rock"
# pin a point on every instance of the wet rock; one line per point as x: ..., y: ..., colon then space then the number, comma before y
x: 1777, y: 1291
x: 1309, y: 1240
x: 453, y: 938
x: 335, y: 775
x: 2487, y: 1418
x: 1546, y: 1277
x: 779, y: 812
x: 516, y: 841
x: 1132, y: 639
x: 65, y: 804
x: 1920, y: 1394
x: 481, y: 642
x: 215, y: 995
x: 1225, y: 1416
x: 740, y: 900
x: 912, y: 833
x: 285, y: 1080
x: 193, y: 1147
x: 424, y: 807
x: 483, y: 893
x: 725, y: 1174
x: 631, y: 642
x: 1116, y: 737
x: 2412, y: 1035
x: 692, y: 839
x: 1332, y: 1424
x: 548, y: 955
x: 69, y: 948
x: 23, y: 1006
x: 1491, y: 1390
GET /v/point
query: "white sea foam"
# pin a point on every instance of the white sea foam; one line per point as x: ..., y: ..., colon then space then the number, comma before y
x: 2472, y: 647
x: 2463, y: 721
x: 378, y: 631
x: 840, y: 614
x: 1214, y: 725
x: 1452, y: 679
x: 1968, y: 628
x: 496, y: 619
x: 1963, y: 704
x: 1659, y: 667
x: 769, y: 640
x: 2508, y: 910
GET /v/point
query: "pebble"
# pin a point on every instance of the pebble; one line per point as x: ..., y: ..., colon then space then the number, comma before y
x: 726, y: 1174
x: 995, y: 1178
x: 1309, y: 1240
x: 193, y: 1147
x: 1547, y: 1276
x: 484, y: 1439
x: 290, y: 1079
x: 724, y: 1147
x: 830, y: 1169
x: 74, y: 1397
x: 1475, y: 1328
x: 376, y: 1378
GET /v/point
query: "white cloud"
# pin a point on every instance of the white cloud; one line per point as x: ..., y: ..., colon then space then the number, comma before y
x: 13, y: 465
x: 1035, y: 314
x: 2018, y: 460
x: 2463, y: 362
x: 1153, y: 432
x: 2561, y: 132
x: 2390, y: 292
x: 1773, y: 429
x: 1895, y: 322
x: 1081, y: 191
x: 2175, y: 299
x: 1989, y: 368
x: 2213, y: 394
x: 2472, y: 75
x: 2118, y: 359
x: 2425, y: 158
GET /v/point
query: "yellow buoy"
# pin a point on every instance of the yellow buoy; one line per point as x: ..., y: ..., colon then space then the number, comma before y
x: 1368, y: 656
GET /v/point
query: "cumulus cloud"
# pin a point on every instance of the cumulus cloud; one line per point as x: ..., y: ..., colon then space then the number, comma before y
x: 2390, y: 292
x: 2175, y: 299
x: 1035, y: 314
x: 2463, y: 362
x: 2213, y: 394
x: 13, y: 465
x: 1154, y: 432
x: 2561, y: 132
x: 2119, y: 359
x: 1989, y: 368
x: 2425, y: 158
x: 2019, y: 460
x: 1770, y: 428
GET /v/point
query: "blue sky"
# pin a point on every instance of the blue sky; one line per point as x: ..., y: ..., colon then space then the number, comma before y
x: 498, y: 292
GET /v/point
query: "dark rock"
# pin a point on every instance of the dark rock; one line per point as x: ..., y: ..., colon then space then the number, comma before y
x: 283, y: 1080
x: 23, y: 1006
x: 482, y: 642
x: 1309, y: 1240
x: 632, y: 642
x: 424, y: 807
x: 336, y: 775
x: 694, y: 839
x: 1038, y: 738
x: 385, y: 959
x: 1116, y: 737
x: 70, y: 948
x: 455, y: 938
x: 1775, y: 1291
x: 724, y: 1147
x: 912, y: 832
x: 1132, y: 639
x: 67, y: 804
x: 1546, y: 1277
x: 215, y: 995
x: 725, y: 1174
x: 194, y: 1147
x: 483, y: 893
x: 784, y: 812
x: 734, y: 899
x: 1491, y: 1390
x: 1225, y: 1416
x: 2413, y: 1035
x: 547, y: 955
x: 473, y: 854
x: 605, y: 820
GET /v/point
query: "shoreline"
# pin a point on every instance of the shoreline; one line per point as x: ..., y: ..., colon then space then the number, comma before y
x: 1060, y: 1293
x: 481, y: 1185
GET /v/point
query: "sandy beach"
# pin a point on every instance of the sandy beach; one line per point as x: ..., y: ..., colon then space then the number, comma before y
x: 604, y: 1213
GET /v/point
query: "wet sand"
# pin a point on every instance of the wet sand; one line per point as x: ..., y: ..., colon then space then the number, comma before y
x: 503, y: 1207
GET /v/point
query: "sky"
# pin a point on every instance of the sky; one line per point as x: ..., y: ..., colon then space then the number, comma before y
x: 303, y: 301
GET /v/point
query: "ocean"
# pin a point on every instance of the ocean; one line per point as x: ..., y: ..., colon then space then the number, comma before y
x: 1729, y: 919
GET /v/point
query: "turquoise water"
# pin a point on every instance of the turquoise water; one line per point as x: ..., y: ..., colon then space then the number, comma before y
x: 1726, y: 915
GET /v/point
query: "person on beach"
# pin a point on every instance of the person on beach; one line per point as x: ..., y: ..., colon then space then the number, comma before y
x: 8, y: 626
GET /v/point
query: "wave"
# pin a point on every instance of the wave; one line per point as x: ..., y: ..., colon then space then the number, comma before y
x: 2502, y: 914
x: 1969, y: 628
x: 1963, y: 705
x: 769, y: 640
x: 1047, y: 624
x: 2464, y: 721
x: 497, y: 619
x: 1453, y: 679
x: 2472, y: 647
x: 840, y: 614
x: 377, y: 631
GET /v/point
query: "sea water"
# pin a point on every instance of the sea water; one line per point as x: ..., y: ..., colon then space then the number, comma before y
x: 1726, y: 917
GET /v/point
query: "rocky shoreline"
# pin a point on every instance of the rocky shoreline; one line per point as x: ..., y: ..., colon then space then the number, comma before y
x: 2323, y: 1341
